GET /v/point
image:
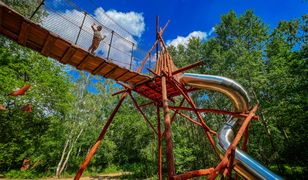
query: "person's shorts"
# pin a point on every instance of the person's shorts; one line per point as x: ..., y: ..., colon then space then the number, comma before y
x: 95, y: 43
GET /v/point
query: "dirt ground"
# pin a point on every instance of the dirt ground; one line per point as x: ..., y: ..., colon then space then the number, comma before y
x: 100, y: 177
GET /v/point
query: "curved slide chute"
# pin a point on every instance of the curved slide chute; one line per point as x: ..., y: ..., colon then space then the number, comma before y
x: 245, y: 166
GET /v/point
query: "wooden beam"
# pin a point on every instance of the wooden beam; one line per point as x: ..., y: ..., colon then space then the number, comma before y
x: 148, y: 86
x: 49, y: 43
x: 68, y: 55
x: 168, y: 137
x: 84, y: 61
x: 187, y: 67
x: 111, y: 71
x: 142, y: 113
x: 99, y: 139
x: 159, y: 148
x: 121, y: 75
x: 1, y: 17
x: 224, y: 162
x: 216, y: 111
x: 191, y: 174
x: 152, y: 48
x: 190, y: 119
x: 99, y: 67
x: 119, y: 92
x: 146, y: 104
x: 23, y: 34
x: 130, y: 78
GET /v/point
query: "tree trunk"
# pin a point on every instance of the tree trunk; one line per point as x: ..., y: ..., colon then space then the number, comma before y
x: 64, y: 164
x: 62, y: 158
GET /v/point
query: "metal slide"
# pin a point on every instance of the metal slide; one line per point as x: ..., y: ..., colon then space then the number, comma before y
x: 246, y: 166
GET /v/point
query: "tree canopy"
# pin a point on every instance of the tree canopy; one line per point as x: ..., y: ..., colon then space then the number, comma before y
x: 67, y: 117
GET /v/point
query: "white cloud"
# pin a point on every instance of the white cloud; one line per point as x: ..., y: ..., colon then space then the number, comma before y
x: 185, y: 40
x: 67, y: 23
x: 132, y: 21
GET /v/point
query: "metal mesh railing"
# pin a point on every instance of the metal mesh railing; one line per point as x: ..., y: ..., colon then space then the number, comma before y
x: 68, y: 20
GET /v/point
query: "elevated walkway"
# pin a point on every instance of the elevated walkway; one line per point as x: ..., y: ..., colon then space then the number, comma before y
x: 31, y: 35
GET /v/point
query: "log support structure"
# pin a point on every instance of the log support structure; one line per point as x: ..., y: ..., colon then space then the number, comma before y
x: 161, y: 89
x: 166, y: 85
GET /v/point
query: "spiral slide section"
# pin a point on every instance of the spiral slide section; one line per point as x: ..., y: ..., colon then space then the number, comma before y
x: 246, y: 166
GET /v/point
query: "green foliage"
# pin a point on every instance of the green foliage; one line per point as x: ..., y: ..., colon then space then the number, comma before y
x: 272, y: 66
x: 67, y: 118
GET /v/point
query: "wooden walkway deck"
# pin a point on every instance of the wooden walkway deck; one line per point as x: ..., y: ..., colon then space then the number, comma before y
x: 32, y: 35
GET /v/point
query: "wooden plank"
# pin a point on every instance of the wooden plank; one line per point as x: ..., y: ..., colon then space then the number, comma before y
x: 1, y: 16
x: 33, y: 46
x: 29, y: 34
x: 49, y: 42
x: 11, y: 21
x: 142, y: 79
x: 60, y: 47
x: 114, y: 74
x: 83, y: 62
x: 121, y: 75
x: 92, y: 64
x: 23, y: 34
x: 110, y: 72
x: 106, y: 69
x: 127, y: 76
x: 78, y: 56
x: 9, y: 34
x: 131, y: 78
x: 138, y: 79
x: 68, y: 55
x: 38, y: 35
x: 99, y: 67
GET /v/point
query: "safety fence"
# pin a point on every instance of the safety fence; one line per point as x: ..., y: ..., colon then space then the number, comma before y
x: 68, y: 20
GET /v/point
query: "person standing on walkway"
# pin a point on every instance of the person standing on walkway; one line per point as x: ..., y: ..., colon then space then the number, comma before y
x: 97, y: 38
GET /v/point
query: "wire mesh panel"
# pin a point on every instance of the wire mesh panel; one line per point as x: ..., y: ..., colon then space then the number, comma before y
x: 66, y: 19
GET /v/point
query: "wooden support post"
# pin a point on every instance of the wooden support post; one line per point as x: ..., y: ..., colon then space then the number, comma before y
x: 176, y: 111
x: 141, y: 112
x: 244, y: 145
x: 1, y: 16
x: 146, y: 104
x: 193, y: 105
x: 23, y: 34
x: 191, y: 174
x: 167, y: 122
x: 234, y: 143
x: 231, y: 161
x: 216, y: 111
x: 159, y: 149
x: 99, y: 139
x: 174, y: 115
x: 83, y: 63
x: 68, y: 55
x: 49, y: 43
x: 154, y: 45
x: 207, y: 130
x: 199, y: 63
x: 190, y: 119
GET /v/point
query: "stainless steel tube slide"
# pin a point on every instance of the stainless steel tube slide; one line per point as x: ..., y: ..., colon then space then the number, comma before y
x: 246, y: 166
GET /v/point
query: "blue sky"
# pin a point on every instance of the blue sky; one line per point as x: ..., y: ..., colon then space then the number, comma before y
x: 200, y: 15
x: 188, y: 18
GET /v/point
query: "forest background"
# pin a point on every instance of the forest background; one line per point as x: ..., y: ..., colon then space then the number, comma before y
x: 67, y: 118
